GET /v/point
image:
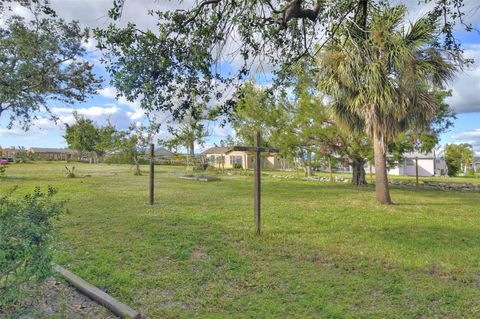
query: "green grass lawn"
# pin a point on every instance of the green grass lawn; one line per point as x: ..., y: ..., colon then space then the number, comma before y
x: 328, y: 250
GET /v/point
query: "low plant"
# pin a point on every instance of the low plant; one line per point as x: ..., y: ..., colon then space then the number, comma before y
x: 26, y: 236
x: 470, y: 172
x: 70, y: 172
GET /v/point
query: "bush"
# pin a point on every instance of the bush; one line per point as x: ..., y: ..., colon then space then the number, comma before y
x: 470, y: 172
x: 237, y: 165
x: 453, y: 169
x: 26, y: 235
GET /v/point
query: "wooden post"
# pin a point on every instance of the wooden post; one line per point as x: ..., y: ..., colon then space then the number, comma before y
x: 152, y: 173
x: 257, y: 178
x: 416, y: 173
x: 257, y: 150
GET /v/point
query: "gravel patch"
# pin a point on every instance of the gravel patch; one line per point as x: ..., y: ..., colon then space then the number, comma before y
x: 57, y: 299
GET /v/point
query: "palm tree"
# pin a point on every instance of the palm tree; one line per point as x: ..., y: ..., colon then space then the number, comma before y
x: 384, y: 78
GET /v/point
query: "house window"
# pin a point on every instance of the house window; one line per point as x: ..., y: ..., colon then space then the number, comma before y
x: 210, y: 158
x: 235, y: 160
x: 409, y: 162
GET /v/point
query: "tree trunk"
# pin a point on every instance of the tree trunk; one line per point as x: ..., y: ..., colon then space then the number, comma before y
x: 137, y: 172
x: 191, y: 149
x: 330, y: 170
x: 381, y: 178
x: 358, y: 168
x: 304, y: 164
x: 309, y: 164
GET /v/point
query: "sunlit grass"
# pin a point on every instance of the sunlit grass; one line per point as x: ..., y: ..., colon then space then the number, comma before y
x: 328, y: 250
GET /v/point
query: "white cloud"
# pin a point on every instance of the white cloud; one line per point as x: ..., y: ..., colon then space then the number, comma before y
x: 93, y: 111
x: 471, y: 137
x: 136, y: 112
x: 468, y: 134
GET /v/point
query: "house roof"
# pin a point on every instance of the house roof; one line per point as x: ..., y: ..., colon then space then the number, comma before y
x: 216, y: 150
x: 50, y: 150
x: 163, y: 152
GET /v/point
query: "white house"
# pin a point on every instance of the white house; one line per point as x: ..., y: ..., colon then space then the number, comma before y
x: 224, y: 157
x: 428, y: 165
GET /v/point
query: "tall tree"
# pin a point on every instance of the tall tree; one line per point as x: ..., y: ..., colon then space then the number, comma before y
x: 83, y: 136
x: 458, y: 158
x: 255, y: 110
x: 41, y: 61
x: 135, y: 142
x: 382, y: 76
x: 189, y: 129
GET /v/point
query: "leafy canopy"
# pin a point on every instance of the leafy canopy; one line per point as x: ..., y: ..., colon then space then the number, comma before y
x: 41, y: 61
x: 458, y: 157
x: 192, y: 48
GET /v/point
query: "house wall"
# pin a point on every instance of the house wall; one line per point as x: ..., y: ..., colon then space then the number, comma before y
x: 243, y: 158
x: 426, y: 167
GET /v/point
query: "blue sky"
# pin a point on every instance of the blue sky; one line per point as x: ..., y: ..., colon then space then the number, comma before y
x: 104, y: 106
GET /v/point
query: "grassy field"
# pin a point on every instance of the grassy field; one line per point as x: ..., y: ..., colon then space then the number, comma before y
x: 328, y: 250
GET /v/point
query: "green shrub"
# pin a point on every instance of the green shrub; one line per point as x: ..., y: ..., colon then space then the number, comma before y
x: 3, y: 169
x: 26, y: 235
x: 453, y: 169
x: 237, y: 165
x: 470, y: 172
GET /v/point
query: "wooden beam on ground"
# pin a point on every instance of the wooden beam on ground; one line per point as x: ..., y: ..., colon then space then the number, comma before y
x: 119, y: 309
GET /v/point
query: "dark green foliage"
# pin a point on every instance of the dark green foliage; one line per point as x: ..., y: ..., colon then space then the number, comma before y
x: 458, y: 157
x: 82, y: 136
x: 26, y: 235
x: 237, y: 165
x: 453, y: 168
x: 41, y: 60
x: 87, y: 137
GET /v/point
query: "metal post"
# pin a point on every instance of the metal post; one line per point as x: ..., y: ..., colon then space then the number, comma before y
x: 152, y: 172
x: 257, y: 177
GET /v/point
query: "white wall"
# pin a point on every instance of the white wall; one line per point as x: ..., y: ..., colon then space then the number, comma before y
x: 426, y: 167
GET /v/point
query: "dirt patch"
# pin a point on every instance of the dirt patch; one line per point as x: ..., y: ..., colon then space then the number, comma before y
x: 57, y: 299
x: 199, y: 254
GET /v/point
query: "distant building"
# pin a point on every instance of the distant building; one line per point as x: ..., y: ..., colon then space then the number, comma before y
x: 476, y: 164
x: 223, y: 157
x: 163, y: 153
x: 52, y: 154
x: 8, y: 152
x: 428, y: 165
